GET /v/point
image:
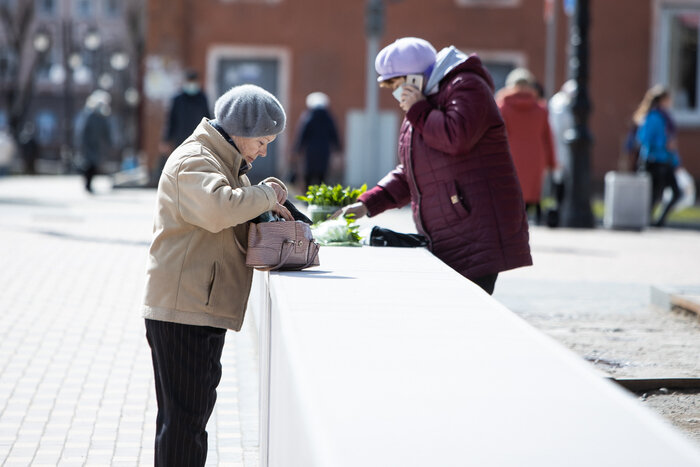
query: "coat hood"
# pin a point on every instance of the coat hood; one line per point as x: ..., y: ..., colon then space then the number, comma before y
x: 449, y: 60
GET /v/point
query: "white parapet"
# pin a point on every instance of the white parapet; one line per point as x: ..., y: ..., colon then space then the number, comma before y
x: 387, y: 357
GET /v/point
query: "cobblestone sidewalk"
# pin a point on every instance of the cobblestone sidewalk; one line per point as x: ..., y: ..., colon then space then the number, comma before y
x: 76, y: 382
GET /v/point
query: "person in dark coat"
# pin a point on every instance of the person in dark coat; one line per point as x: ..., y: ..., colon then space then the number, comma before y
x: 317, y: 138
x: 29, y: 147
x: 187, y: 109
x: 455, y: 167
x: 96, y: 135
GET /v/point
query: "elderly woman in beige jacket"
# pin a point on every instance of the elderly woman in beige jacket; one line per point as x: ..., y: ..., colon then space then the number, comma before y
x: 197, y: 282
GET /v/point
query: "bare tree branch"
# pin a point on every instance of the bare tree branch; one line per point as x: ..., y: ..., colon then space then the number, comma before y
x: 26, y: 16
x: 7, y: 23
x: 18, y: 92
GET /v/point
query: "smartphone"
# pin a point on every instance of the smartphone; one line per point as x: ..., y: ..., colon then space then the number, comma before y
x: 415, y: 80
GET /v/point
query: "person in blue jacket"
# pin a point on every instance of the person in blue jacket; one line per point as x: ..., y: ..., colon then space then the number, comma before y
x: 658, y: 152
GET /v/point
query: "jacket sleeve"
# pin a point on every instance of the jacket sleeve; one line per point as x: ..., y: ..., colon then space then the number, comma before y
x: 277, y: 181
x: 206, y: 199
x: 391, y: 192
x: 457, y: 127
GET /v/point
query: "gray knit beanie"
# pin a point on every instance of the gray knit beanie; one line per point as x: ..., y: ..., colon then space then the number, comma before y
x: 249, y: 111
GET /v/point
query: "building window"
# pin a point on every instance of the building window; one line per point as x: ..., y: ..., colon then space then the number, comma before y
x: 499, y: 63
x: 499, y: 71
x: 83, y: 8
x: 45, y: 63
x: 46, y: 7
x: 9, y: 4
x: 111, y: 8
x: 47, y: 125
x: 8, y: 64
x: 267, y: 67
x: 678, y: 62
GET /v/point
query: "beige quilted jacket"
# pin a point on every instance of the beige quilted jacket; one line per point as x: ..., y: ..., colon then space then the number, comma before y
x: 196, y: 274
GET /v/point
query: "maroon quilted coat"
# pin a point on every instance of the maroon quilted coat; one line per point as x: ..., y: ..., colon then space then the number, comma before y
x: 456, y: 171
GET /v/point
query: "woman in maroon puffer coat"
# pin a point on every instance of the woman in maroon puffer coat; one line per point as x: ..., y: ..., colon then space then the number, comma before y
x: 455, y: 167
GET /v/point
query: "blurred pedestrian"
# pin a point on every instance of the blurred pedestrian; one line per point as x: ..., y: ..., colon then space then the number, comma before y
x: 197, y: 282
x: 8, y: 149
x: 530, y: 137
x: 561, y: 121
x: 95, y: 135
x: 317, y: 138
x: 630, y: 149
x: 658, y: 147
x: 29, y: 147
x: 455, y: 167
x: 187, y: 109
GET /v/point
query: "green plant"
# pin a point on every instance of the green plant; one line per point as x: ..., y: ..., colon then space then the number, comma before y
x: 353, y: 229
x: 326, y: 195
x: 337, y: 232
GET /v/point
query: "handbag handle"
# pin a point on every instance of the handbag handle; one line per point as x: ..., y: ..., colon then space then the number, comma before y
x: 313, y: 256
x: 310, y: 257
x: 287, y: 254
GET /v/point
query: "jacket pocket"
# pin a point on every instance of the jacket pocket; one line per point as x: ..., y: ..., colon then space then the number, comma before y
x: 459, y: 203
x: 212, y: 282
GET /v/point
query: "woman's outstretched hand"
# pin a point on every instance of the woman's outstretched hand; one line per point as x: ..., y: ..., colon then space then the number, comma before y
x: 356, y: 210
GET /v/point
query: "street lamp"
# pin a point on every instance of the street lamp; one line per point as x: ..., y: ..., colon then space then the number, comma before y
x: 132, y: 97
x: 119, y: 61
x: 374, y: 27
x: 81, y: 73
x: 57, y: 74
x: 576, y: 209
x: 92, y: 42
x: 105, y: 81
x: 41, y: 42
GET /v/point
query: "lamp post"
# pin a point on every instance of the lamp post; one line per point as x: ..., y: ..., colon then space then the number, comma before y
x: 576, y: 209
x: 92, y: 42
x: 374, y: 27
x: 119, y: 61
x: 41, y: 42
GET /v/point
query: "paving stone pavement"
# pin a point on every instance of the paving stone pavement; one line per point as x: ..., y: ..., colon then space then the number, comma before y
x: 76, y: 384
x: 76, y: 381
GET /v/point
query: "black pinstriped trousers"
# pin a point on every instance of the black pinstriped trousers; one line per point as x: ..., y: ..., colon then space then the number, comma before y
x: 187, y: 368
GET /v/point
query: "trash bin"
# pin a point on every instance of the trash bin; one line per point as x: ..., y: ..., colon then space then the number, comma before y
x: 627, y: 199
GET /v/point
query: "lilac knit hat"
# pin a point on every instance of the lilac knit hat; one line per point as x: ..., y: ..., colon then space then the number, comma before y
x: 408, y: 55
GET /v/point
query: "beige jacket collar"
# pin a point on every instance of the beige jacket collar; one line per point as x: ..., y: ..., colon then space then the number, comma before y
x: 208, y: 135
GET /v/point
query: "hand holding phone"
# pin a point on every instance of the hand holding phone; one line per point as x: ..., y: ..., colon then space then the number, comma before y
x: 411, y: 92
x: 415, y: 80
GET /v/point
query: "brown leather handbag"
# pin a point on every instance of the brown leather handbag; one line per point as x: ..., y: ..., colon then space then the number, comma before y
x: 283, y: 245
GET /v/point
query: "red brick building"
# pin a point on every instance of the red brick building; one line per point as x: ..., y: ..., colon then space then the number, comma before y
x: 297, y: 47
